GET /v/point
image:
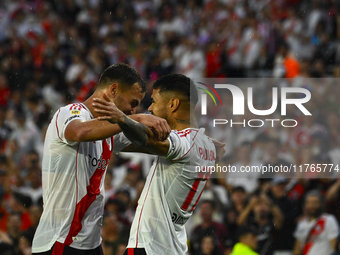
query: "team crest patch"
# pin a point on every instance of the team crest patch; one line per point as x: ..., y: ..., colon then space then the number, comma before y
x: 75, y: 112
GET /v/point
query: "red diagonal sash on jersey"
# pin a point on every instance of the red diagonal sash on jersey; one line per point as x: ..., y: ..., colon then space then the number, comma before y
x: 313, y: 234
x: 202, y: 176
x: 93, y: 189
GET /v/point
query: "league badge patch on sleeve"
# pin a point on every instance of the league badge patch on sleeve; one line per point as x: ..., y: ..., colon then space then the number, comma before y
x: 75, y: 112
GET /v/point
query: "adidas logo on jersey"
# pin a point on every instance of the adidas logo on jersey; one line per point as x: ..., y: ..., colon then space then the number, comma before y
x: 100, y: 163
x: 178, y: 219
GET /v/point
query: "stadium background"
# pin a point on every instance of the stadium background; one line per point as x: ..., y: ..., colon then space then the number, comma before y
x: 52, y: 53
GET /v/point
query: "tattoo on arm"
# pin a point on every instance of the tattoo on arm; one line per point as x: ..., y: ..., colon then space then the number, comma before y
x: 186, y: 121
x: 136, y: 132
x: 135, y: 148
x: 130, y: 148
x: 191, y: 121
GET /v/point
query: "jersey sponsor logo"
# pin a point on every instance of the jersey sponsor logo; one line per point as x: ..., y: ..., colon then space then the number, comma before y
x: 71, y: 118
x: 179, y: 219
x: 99, y: 163
x: 207, y: 154
x: 75, y: 112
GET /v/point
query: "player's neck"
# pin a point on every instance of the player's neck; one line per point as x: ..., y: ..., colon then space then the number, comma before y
x: 312, y: 217
x: 88, y: 104
x: 180, y: 121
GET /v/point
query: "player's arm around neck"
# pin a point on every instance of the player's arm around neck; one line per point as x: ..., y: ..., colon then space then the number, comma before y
x: 94, y: 130
x: 143, y: 137
x: 138, y: 133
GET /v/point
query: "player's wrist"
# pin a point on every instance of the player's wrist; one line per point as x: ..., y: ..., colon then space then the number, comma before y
x: 137, y: 117
x: 121, y: 118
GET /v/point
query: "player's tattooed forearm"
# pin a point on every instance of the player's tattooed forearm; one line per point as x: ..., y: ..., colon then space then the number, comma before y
x: 130, y: 148
x: 136, y: 132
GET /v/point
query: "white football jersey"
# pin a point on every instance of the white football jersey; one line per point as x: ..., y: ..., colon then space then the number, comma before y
x: 327, y: 230
x: 73, y: 185
x: 171, y: 192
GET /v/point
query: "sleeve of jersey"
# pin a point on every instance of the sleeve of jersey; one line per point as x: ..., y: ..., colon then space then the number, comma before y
x: 178, y: 148
x: 298, y: 233
x: 120, y: 142
x: 333, y: 228
x: 64, y: 117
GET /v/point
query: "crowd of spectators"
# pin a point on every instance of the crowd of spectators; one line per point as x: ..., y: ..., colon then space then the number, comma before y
x: 53, y: 51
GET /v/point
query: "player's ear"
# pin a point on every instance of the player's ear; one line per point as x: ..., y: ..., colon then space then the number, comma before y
x: 174, y: 104
x: 113, y: 90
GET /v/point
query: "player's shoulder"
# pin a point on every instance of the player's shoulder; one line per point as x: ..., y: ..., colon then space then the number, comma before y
x: 193, y: 135
x: 303, y: 222
x: 183, y: 137
x: 74, y: 109
x: 188, y: 133
x: 329, y: 217
x: 202, y: 136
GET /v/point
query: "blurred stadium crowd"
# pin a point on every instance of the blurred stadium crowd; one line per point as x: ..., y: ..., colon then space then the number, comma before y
x: 52, y: 53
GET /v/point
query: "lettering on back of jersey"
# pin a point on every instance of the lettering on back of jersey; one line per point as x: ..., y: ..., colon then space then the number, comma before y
x: 207, y: 154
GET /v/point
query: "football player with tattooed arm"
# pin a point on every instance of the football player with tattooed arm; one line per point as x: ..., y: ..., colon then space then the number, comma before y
x: 173, y: 186
x: 77, y: 150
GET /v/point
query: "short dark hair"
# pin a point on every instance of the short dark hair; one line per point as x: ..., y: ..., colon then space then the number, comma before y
x: 123, y: 74
x: 177, y: 83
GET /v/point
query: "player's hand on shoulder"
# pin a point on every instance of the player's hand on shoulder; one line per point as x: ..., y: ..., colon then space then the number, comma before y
x: 220, y: 149
x: 107, y: 109
x: 159, y: 126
